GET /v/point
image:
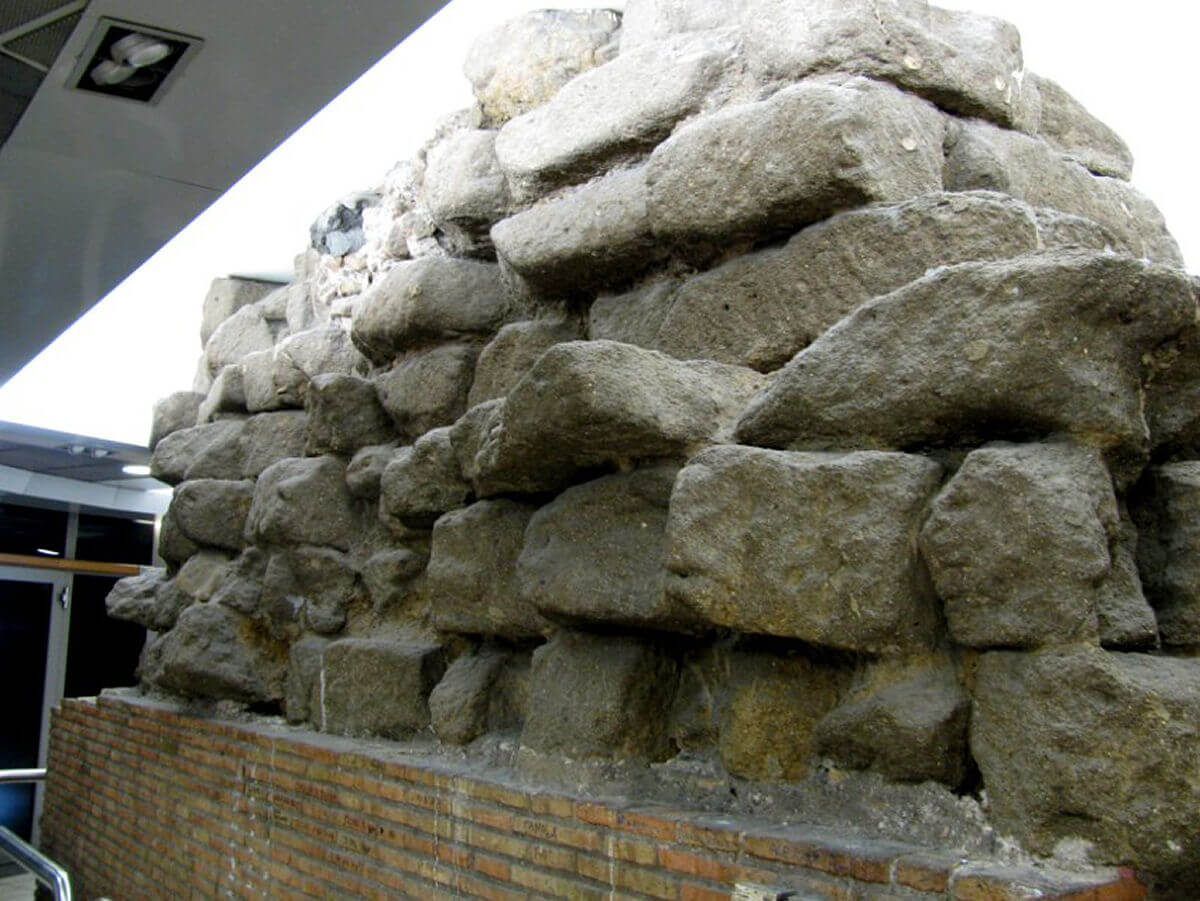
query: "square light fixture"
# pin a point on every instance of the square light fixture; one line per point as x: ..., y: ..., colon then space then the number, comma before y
x: 131, y: 61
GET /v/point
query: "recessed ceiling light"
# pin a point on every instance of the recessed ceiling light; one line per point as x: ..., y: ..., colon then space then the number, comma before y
x: 48, y: 552
x: 135, y: 62
x: 135, y: 469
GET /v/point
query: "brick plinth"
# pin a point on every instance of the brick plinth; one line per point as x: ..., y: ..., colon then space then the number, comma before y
x: 147, y: 802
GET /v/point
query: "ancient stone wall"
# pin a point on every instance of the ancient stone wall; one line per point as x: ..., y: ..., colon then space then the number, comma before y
x: 793, y: 398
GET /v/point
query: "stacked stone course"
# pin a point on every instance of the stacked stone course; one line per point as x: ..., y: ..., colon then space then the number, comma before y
x: 794, y: 392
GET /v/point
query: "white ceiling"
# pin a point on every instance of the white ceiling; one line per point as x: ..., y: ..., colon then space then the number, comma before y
x: 90, y: 186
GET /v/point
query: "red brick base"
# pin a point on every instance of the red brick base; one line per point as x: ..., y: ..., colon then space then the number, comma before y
x: 145, y: 802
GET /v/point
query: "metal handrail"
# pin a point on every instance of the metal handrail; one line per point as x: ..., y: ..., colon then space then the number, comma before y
x: 29, y: 858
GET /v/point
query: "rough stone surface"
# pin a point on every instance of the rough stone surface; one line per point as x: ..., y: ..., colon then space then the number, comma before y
x: 1070, y: 129
x: 174, y: 412
x: 817, y: 547
x: 522, y: 63
x: 225, y: 297
x: 134, y: 598
x: 981, y: 156
x: 596, y: 235
x: 226, y: 395
x: 379, y: 687
x: 463, y: 180
x: 468, y: 434
x: 595, y: 553
x: 431, y: 299
x: 1125, y: 618
x: 1101, y: 746
x: 267, y: 438
x: 302, y: 691
x: 423, y: 481
x: 758, y: 310
x: 212, y: 512
x: 321, y: 584
x: 1167, y: 511
x: 513, y: 351
x: 613, y: 111
x: 339, y: 229
x: 472, y: 571
x: 243, y: 333
x: 303, y: 502
x: 1037, y: 345
x: 599, y: 696
x: 302, y: 357
x: 810, y: 150
x: 1018, y: 545
x: 197, y: 580
x: 910, y: 732
x: 212, y: 451
x: 427, y: 389
x: 458, y: 705
x: 588, y: 403
x: 259, y: 384
x: 365, y: 469
x: 344, y: 415
x: 390, y: 577
x: 215, y: 652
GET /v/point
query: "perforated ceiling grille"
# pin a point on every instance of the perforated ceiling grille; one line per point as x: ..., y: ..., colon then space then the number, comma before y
x: 32, y: 34
x: 44, y: 44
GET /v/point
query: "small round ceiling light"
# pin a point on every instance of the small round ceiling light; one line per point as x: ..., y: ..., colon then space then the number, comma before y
x: 135, y: 469
x: 139, y: 50
x: 107, y: 72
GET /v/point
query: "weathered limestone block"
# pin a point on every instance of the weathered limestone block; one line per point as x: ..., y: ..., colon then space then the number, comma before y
x: 458, y: 705
x: 303, y: 502
x: 818, y: 547
x: 423, y: 481
x: 1166, y: 507
x: 302, y: 692
x: 267, y: 438
x: 173, y: 546
x: 768, y: 709
x: 964, y: 62
x: 210, y: 451
x: 174, y: 412
x: 910, y: 732
x: 805, y: 153
x: 594, y: 236
x: 258, y: 382
x: 197, y: 581
x: 427, y: 389
x: 758, y: 310
x: 377, y: 686
x: 134, y: 599
x: 1173, y: 397
x: 225, y: 396
x: 1064, y: 124
x: 212, y: 512
x: 521, y: 64
x: 472, y: 576
x: 389, y: 577
x: 1041, y: 344
x: 595, y: 553
x: 613, y: 111
x: 513, y: 351
x: 982, y: 156
x: 225, y: 297
x: 1018, y: 545
x: 430, y: 299
x: 365, y: 469
x: 215, y: 652
x: 471, y: 430
x: 1100, y: 746
x: 304, y: 310
x: 344, y: 415
x: 589, y: 403
x: 599, y: 696
x: 463, y: 180
x: 302, y: 357
x: 243, y: 333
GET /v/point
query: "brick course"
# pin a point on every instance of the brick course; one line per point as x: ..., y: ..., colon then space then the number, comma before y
x: 148, y: 802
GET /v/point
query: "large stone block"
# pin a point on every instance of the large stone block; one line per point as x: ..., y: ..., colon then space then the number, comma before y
x: 1173, y: 397
x: 365, y: 469
x: 243, y: 333
x: 209, y: 451
x: 591, y: 403
x: 1064, y: 124
x: 594, y: 236
x: 522, y: 63
x: 459, y: 704
x: 1036, y: 345
x: 616, y: 110
x: 212, y: 512
x: 427, y: 389
x: 463, y: 180
x: 344, y: 415
x: 320, y: 583
x: 267, y: 438
x: 423, y: 481
x: 600, y: 696
x: 758, y: 310
x: 374, y: 686
x: 225, y: 297
x: 472, y: 575
x: 390, y: 577
x: 982, y: 156
x: 174, y: 412
x: 303, y: 502
x: 595, y: 553
x: 1099, y: 746
x: 430, y: 299
x: 197, y: 580
x: 134, y: 599
x: 812, y: 149
x: 513, y: 351
x: 1166, y: 507
x: 302, y: 691
x: 816, y: 547
x: 226, y: 396
x: 1018, y: 545
x: 215, y: 652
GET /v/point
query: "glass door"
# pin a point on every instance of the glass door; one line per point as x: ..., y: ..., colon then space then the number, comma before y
x: 34, y: 626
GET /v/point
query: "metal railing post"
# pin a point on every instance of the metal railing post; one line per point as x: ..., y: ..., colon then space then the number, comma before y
x: 29, y: 858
